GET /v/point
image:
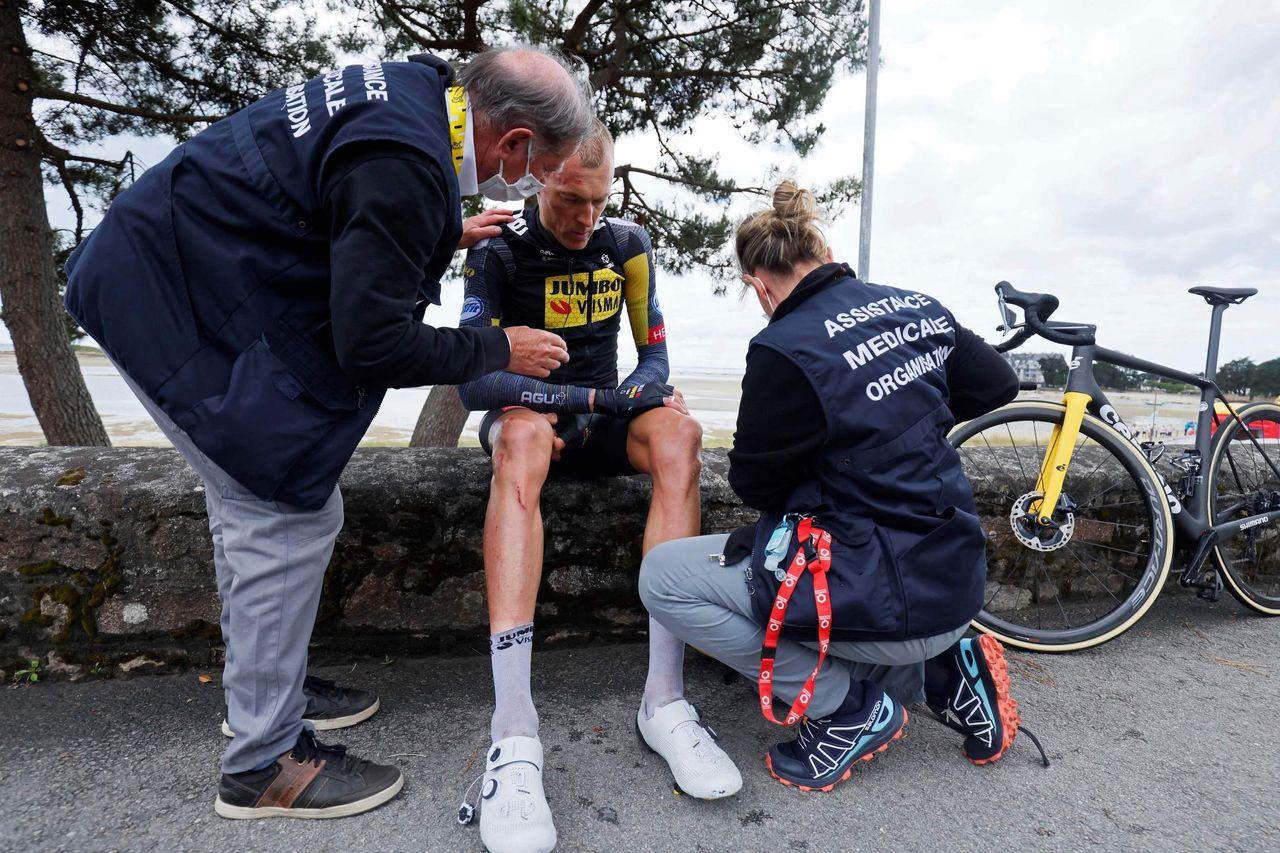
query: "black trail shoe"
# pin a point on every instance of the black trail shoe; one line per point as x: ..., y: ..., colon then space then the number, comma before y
x: 311, y: 781
x: 824, y: 751
x: 330, y: 706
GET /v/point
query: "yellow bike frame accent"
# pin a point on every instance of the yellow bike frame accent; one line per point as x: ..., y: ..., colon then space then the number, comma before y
x: 1061, y: 445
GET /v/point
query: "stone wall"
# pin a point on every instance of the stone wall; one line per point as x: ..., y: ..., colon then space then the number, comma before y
x: 106, y: 561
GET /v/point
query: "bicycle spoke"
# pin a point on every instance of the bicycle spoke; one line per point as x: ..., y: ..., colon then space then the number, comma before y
x: 1056, y: 598
x: 985, y: 479
x: 1113, y: 506
x: 1016, y: 454
x: 1089, y: 501
x: 1096, y: 578
x: 1109, y: 548
x: 1110, y: 567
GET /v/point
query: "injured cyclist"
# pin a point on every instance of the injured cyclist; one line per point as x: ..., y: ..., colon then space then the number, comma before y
x: 564, y: 267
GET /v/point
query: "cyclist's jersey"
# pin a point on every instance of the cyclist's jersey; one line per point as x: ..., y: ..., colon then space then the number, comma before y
x: 523, y: 277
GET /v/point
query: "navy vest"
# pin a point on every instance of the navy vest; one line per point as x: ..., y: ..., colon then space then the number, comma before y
x: 208, y: 279
x: 909, y: 554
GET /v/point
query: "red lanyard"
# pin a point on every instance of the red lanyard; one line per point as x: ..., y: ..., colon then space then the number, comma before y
x: 816, y: 541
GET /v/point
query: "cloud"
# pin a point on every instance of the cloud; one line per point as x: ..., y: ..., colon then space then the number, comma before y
x: 1112, y: 154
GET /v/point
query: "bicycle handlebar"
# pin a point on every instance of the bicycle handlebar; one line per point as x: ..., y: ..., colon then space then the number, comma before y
x: 1038, y: 307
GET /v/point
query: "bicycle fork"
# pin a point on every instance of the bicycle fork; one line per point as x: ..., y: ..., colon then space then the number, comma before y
x: 1062, y: 444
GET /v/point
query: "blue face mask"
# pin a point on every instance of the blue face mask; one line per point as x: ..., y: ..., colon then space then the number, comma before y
x: 497, y: 188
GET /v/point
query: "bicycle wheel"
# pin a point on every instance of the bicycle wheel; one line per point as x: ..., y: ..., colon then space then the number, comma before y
x: 1095, y: 573
x: 1241, y: 483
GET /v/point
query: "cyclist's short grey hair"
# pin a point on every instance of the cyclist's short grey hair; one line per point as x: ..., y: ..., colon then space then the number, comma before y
x: 527, y: 86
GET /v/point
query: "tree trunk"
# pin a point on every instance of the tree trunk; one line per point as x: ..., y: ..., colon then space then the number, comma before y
x: 442, y: 418
x: 28, y: 287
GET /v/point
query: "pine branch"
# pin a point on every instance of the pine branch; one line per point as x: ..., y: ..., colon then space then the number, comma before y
x: 230, y: 35
x: 622, y: 171
x: 120, y: 109
x: 581, y: 24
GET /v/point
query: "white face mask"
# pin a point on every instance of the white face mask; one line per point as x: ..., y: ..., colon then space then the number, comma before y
x: 497, y: 188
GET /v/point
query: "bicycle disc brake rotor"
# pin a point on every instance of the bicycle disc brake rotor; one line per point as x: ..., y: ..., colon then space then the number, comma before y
x: 1037, y: 536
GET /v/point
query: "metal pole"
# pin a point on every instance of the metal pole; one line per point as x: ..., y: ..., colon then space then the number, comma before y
x: 869, y: 141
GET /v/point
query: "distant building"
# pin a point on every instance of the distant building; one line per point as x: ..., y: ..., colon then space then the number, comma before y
x: 1027, y: 366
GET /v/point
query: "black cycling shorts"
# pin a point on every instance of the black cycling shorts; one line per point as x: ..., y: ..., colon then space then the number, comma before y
x: 594, y: 445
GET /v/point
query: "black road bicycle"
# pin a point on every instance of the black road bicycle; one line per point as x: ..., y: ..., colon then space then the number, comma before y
x: 1083, y: 527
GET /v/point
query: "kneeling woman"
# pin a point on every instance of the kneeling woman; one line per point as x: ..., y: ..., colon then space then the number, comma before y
x: 868, y: 527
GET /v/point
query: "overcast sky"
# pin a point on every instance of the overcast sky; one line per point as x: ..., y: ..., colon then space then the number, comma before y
x: 1114, y: 154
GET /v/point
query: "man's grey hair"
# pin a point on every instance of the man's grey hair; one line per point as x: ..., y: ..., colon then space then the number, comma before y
x: 522, y: 86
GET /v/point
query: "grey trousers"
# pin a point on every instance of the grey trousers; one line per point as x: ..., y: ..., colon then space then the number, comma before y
x: 270, y: 559
x: 709, y: 607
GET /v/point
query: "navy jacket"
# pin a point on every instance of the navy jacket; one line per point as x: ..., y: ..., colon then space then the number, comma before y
x: 909, y: 553
x: 209, y: 279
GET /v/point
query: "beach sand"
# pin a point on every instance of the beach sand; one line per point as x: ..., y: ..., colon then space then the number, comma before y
x: 712, y: 397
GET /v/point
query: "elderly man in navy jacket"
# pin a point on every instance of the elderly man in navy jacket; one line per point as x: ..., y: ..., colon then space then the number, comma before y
x: 260, y: 290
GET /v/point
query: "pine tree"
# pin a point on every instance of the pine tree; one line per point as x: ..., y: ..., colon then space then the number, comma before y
x: 75, y: 73
x: 657, y: 67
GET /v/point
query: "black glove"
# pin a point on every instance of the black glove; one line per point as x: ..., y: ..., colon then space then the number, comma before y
x: 629, y: 402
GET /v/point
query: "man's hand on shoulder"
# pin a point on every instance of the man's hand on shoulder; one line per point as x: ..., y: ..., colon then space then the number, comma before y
x: 535, y: 352
x: 484, y: 225
x: 629, y: 402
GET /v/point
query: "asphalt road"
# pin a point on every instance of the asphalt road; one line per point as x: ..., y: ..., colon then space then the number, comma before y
x: 1164, y: 739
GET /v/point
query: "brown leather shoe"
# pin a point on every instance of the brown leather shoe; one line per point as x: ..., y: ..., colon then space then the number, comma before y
x: 310, y: 781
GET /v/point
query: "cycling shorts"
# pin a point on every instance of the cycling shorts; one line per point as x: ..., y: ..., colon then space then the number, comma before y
x: 594, y: 445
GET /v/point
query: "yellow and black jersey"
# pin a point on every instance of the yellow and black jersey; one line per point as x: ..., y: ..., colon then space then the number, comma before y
x: 523, y: 277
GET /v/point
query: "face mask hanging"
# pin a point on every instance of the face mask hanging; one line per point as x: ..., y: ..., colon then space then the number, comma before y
x: 497, y: 188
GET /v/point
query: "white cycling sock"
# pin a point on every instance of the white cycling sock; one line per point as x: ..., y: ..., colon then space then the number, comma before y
x: 665, y: 683
x: 513, y: 711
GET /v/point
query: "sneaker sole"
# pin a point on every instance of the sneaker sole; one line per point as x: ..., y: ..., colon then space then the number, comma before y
x: 327, y: 725
x: 826, y: 789
x: 719, y: 795
x: 346, y: 810
x: 1010, y: 719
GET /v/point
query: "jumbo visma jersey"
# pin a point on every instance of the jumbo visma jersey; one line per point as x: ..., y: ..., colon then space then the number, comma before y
x: 523, y: 277
x: 207, y: 281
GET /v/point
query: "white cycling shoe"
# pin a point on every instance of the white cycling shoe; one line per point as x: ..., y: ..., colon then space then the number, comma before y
x: 514, y: 815
x: 701, y: 768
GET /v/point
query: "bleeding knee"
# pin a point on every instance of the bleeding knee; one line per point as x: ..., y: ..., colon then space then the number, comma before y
x: 523, y: 448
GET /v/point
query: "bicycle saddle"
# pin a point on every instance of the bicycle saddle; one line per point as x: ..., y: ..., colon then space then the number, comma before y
x: 1224, y: 295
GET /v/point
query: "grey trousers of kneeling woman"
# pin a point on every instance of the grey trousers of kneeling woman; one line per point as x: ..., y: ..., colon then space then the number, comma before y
x: 709, y: 606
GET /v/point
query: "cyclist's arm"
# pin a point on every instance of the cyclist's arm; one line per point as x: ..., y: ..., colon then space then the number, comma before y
x: 979, y: 379
x: 645, y: 317
x: 485, y: 275
x: 781, y: 425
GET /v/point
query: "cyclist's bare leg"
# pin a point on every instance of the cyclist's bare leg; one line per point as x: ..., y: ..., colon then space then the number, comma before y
x: 666, y: 444
x: 523, y: 443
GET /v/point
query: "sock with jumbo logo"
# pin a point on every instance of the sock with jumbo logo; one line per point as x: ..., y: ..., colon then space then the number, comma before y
x: 513, y: 711
x: 665, y: 683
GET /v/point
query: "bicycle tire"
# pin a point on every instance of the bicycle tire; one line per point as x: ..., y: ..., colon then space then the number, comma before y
x: 1241, y: 484
x: 1087, y: 618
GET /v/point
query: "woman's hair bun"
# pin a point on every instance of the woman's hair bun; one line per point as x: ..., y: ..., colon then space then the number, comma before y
x: 778, y: 237
x: 795, y: 205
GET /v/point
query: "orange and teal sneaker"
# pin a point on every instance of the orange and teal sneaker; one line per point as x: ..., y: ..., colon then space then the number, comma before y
x: 970, y: 693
